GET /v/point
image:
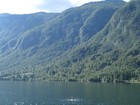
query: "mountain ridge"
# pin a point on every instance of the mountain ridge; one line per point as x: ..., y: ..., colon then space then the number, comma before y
x: 78, y: 46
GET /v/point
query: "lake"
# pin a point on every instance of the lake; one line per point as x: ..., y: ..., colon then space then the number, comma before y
x: 61, y: 93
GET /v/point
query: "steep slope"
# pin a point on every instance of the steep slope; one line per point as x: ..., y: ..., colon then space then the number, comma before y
x: 13, y: 26
x: 112, y: 55
x: 39, y: 47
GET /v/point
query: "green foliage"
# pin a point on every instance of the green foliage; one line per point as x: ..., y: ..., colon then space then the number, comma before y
x: 96, y: 42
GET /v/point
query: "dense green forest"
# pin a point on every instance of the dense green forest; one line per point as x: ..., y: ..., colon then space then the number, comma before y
x: 96, y: 42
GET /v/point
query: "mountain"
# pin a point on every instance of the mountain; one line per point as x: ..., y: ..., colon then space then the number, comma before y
x: 112, y: 55
x: 93, y: 42
x: 13, y: 26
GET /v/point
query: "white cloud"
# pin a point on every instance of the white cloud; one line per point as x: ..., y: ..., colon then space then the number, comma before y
x: 19, y: 6
x: 54, y: 5
x: 80, y: 2
x: 61, y: 5
x: 30, y: 6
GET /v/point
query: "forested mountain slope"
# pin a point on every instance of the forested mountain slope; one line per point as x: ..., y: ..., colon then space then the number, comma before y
x: 112, y: 55
x: 93, y: 42
x: 13, y: 26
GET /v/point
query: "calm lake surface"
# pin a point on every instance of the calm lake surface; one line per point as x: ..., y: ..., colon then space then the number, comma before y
x: 57, y: 93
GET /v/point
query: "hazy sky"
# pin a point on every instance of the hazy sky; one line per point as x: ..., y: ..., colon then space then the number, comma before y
x: 31, y: 6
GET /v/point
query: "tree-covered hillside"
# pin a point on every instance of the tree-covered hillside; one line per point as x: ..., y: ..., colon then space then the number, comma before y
x: 112, y: 55
x: 97, y: 42
x: 13, y: 26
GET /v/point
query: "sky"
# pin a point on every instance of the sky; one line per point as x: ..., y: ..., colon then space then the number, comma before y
x: 32, y: 6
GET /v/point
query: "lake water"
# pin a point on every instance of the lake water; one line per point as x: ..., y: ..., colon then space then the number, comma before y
x: 57, y: 93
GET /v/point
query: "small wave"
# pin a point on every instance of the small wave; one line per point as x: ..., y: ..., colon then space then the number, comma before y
x: 19, y: 103
x: 73, y: 100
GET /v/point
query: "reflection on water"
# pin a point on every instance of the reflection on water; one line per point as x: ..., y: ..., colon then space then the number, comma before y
x: 54, y: 93
x: 19, y: 103
x: 69, y: 101
x: 73, y: 100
